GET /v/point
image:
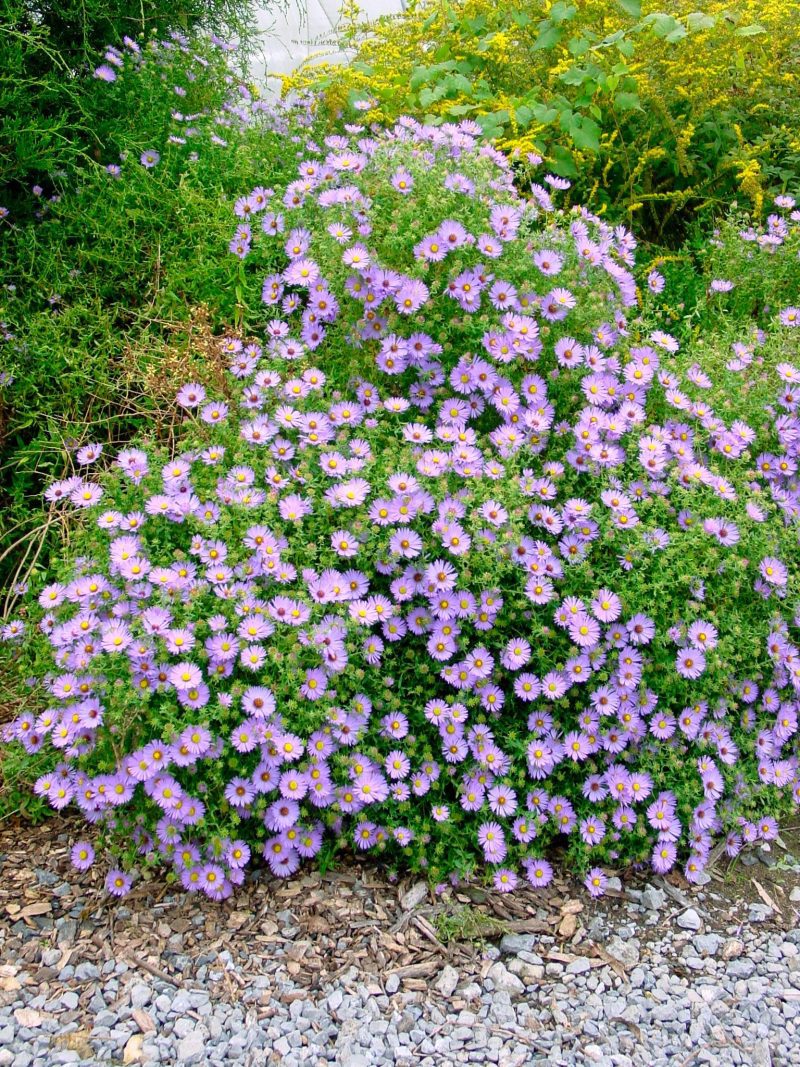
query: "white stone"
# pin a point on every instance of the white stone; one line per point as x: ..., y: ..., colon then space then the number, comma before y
x: 504, y: 980
x: 191, y: 1049
x: 689, y: 920
x: 447, y: 981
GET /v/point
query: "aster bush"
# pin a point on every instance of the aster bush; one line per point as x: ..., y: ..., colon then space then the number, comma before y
x: 469, y: 558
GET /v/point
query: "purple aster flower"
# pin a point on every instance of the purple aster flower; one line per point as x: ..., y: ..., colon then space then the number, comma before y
x: 82, y: 855
x: 505, y: 880
x: 690, y: 663
x: 538, y: 872
x: 596, y: 882
x: 492, y: 840
x: 118, y: 883
x: 773, y: 571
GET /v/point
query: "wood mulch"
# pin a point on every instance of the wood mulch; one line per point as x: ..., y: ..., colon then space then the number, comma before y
x: 351, y: 924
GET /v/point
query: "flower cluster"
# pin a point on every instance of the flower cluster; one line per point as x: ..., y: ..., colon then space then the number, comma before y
x: 455, y: 568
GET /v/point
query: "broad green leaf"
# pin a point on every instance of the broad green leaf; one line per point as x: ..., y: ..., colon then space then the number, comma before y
x: 627, y: 102
x: 561, y: 12
x: 419, y: 75
x: 562, y: 162
x: 430, y: 96
x: 544, y: 114
x: 749, y: 31
x: 662, y: 24
x: 574, y: 76
x: 491, y: 124
x: 698, y: 20
x: 549, y: 37
x: 457, y: 83
x: 677, y: 34
x: 523, y: 115
x: 475, y: 27
x: 585, y: 133
x: 631, y: 7
x: 579, y: 46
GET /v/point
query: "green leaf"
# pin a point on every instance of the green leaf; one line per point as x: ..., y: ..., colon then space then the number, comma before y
x: 574, y: 76
x: 549, y: 37
x: 631, y: 7
x: 662, y: 24
x: 544, y: 114
x: 749, y: 31
x: 419, y: 75
x: 627, y: 102
x: 579, y: 46
x: 475, y: 27
x: 430, y: 96
x: 561, y: 12
x: 585, y: 133
x: 677, y: 34
x: 563, y: 164
x: 457, y: 83
x: 698, y: 20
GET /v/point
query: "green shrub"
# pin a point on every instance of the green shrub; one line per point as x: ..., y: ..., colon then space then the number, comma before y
x: 103, y: 284
x: 54, y: 115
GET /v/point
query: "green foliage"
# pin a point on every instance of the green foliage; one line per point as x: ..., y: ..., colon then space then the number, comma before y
x: 104, y: 280
x: 658, y: 114
x: 54, y: 114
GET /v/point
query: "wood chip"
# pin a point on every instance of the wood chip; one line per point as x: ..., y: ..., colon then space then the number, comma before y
x: 133, y: 1049
x: 29, y: 1017
x: 143, y: 1020
x: 614, y: 964
x: 416, y: 970
x: 765, y: 896
x: 568, y: 925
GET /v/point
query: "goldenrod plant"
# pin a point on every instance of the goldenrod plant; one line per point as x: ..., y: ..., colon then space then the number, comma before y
x: 658, y: 115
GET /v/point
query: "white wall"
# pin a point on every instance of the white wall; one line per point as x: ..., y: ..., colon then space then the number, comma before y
x: 307, y: 26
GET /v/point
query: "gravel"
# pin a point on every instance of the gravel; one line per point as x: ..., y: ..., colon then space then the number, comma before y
x: 641, y: 981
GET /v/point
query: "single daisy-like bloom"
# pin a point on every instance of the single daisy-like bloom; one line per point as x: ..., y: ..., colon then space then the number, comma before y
x: 505, y: 880
x: 150, y: 158
x: 118, y: 883
x: 773, y: 571
x: 82, y: 855
x: 538, y: 872
x: 690, y: 663
x: 596, y: 882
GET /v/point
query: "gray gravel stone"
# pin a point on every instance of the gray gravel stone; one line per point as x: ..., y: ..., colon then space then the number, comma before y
x: 689, y: 920
x: 707, y: 944
x: 512, y: 944
x: 504, y: 980
x: 191, y: 1048
x: 624, y: 951
x: 653, y: 898
x: 447, y: 981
